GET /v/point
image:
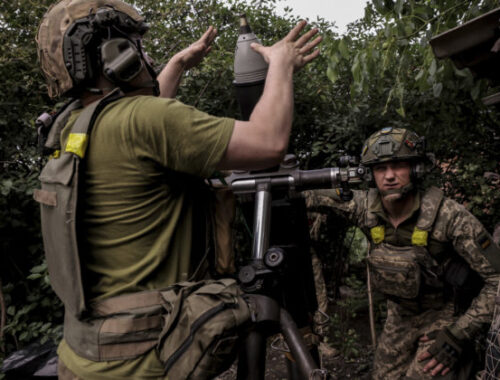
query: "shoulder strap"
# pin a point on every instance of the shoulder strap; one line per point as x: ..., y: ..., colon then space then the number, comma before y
x: 61, y: 118
x: 79, y: 137
x: 371, y: 219
x: 429, y: 207
x: 377, y: 232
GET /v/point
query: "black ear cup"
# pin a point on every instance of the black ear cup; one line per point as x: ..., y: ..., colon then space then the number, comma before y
x: 418, y: 170
x: 121, y: 61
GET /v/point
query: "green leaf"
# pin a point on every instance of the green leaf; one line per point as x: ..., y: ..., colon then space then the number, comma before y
x: 6, y: 187
x: 474, y: 93
x: 433, y: 68
x: 464, y: 73
x: 332, y: 74
x: 398, y: 8
x: 401, y: 111
x: 356, y: 69
x: 45, y: 326
x: 11, y: 310
x: 39, y: 268
x: 436, y: 89
x: 379, y: 6
x: 343, y: 49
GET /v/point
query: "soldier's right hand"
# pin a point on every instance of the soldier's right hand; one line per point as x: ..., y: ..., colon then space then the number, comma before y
x: 293, y: 50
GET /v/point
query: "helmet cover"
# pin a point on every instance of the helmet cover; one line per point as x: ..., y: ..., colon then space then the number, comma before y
x: 393, y: 144
x: 53, y: 27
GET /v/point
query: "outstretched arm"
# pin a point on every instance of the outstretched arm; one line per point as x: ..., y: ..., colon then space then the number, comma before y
x: 171, y: 75
x: 262, y: 141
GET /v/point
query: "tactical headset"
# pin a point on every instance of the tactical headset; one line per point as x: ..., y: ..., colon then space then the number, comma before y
x: 107, y: 42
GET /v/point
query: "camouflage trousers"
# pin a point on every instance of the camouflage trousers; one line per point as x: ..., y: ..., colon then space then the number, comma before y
x: 321, y: 320
x: 399, y: 347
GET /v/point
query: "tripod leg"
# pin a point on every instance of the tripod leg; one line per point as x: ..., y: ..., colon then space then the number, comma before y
x: 298, y: 348
x: 252, y: 359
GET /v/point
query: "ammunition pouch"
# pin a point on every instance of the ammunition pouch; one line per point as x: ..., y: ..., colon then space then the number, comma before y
x: 194, y: 326
x: 401, y: 271
x: 202, y: 329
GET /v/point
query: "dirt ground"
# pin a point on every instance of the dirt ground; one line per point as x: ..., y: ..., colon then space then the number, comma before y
x: 339, y: 366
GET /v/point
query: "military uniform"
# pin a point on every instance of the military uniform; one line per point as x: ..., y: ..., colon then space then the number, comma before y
x: 437, y: 232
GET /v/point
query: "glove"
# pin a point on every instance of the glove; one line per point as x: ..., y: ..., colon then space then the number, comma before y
x: 447, y: 348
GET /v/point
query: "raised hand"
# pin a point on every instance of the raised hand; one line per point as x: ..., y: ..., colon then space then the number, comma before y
x: 194, y: 53
x: 294, y: 49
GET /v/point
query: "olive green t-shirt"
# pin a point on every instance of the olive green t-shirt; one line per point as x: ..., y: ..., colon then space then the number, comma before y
x: 144, y: 158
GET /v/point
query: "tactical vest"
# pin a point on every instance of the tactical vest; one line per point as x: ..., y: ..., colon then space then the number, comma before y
x: 401, y: 271
x: 60, y: 179
x: 194, y: 325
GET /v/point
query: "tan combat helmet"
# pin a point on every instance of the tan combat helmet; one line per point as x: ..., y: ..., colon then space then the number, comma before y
x: 66, y: 35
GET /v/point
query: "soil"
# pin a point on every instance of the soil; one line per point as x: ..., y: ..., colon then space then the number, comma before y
x: 338, y: 365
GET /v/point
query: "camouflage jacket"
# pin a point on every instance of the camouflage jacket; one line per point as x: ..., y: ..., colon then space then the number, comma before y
x: 455, y: 231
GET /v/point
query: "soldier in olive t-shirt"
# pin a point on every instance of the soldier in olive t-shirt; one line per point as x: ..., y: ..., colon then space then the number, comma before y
x: 138, y: 208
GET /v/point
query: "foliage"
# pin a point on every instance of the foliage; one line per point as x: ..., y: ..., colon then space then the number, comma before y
x: 386, y: 68
x: 344, y: 337
x: 357, y: 244
x: 32, y: 309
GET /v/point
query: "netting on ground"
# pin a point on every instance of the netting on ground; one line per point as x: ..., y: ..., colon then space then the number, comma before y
x: 492, y: 355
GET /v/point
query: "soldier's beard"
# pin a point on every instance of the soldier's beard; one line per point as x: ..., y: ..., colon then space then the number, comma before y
x: 395, y: 195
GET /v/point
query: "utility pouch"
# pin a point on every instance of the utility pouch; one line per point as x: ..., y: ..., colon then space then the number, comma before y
x: 395, y: 270
x: 202, y: 328
x: 464, y: 282
x: 58, y: 198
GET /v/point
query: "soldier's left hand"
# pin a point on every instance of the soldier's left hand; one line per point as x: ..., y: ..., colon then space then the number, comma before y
x: 194, y: 53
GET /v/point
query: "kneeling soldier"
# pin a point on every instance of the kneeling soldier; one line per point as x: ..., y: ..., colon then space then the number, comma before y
x: 431, y: 258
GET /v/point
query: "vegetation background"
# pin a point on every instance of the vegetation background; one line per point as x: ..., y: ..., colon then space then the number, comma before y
x: 381, y: 72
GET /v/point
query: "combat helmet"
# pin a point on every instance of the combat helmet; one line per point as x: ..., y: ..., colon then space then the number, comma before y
x: 397, y: 144
x: 80, y: 39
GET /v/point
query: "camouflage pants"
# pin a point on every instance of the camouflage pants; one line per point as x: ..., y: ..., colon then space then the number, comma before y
x: 399, y: 346
x: 321, y: 320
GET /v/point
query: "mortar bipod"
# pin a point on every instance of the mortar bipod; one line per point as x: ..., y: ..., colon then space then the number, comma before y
x: 268, y: 317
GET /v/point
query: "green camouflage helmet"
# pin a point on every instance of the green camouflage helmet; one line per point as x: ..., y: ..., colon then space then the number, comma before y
x: 393, y: 144
x: 55, y: 23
